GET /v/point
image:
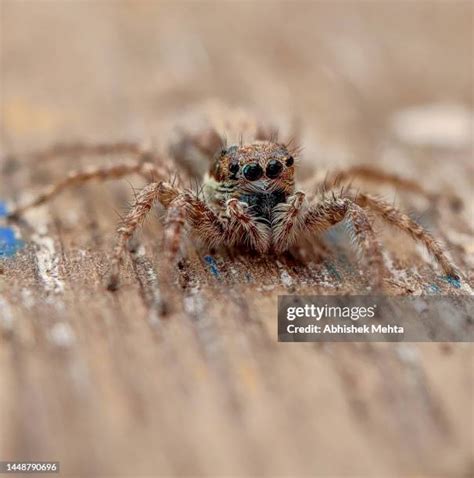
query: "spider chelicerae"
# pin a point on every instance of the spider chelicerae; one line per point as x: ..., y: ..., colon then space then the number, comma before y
x: 247, y: 199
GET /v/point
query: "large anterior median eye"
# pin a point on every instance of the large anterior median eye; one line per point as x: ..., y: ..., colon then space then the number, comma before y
x: 274, y: 169
x: 253, y: 171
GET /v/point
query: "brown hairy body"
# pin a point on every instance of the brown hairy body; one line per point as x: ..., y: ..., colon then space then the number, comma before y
x: 247, y: 199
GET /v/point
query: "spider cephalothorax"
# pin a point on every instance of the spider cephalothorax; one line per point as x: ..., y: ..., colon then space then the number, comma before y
x: 260, y: 175
x: 249, y: 199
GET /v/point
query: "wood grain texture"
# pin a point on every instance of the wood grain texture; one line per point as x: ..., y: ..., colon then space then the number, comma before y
x: 97, y: 380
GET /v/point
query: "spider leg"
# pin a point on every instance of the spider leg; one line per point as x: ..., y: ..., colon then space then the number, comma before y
x: 295, y: 217
x: 173, y: 226
x: 144, y: 201
x: 244, y: 228
x: 286, y: 222
x: 403, y: 222
x: 182, y: 208
x: 378, y: 176
x: 207, y: 141
x: 75, y: 178
x: 234, y: 227
x: 194, y: 151
x: 78, y: 149
x: 322, y: 216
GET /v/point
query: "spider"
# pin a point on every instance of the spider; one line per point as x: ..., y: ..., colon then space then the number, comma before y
x: 247, y: 199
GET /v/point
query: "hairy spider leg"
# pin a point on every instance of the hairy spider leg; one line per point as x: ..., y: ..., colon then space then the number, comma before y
x: 78, y: 149
x: 406, y: 224
x: 182, y: 208
x: 291, y: 221
x: 76, y: 178
x: 243, y: 228
x: 372, y: 174
x: 320, y: 217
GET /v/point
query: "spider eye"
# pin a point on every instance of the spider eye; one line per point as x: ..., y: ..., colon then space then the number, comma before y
x: 253, y: 171
x: 234, y: 168
x: 290, y: 161
x: 274, y: 168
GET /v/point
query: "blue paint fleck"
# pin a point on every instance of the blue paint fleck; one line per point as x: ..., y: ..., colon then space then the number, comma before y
x: 213, y: 267
x: 433, y: 288
x: 452, y: 281
x: 9, y: 243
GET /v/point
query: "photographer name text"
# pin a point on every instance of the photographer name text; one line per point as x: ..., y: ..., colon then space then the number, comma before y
x: 318, y: 313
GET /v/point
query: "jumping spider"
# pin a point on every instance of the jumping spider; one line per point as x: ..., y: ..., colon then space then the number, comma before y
x: 248, y: 198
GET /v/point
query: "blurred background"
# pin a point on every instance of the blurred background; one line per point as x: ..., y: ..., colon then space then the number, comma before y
x: 382, y: 82
x: 95, y: 69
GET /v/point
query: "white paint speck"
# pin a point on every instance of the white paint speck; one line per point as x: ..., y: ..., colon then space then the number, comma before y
x: 193, y: 304
x: 27, y: 298
x: 407, y: 353
x: 47, y: 259
x: 62, y: 335
x: 420, y: 305
x: 286, y: 279
x: 48, y: 263
x: 6, y: 315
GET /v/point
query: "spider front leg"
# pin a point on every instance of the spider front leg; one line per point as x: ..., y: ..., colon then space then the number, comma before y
x: 287, y: 220
x: 243, y: 228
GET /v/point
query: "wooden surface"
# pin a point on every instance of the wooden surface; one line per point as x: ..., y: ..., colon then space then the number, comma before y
x: 97, y: 380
